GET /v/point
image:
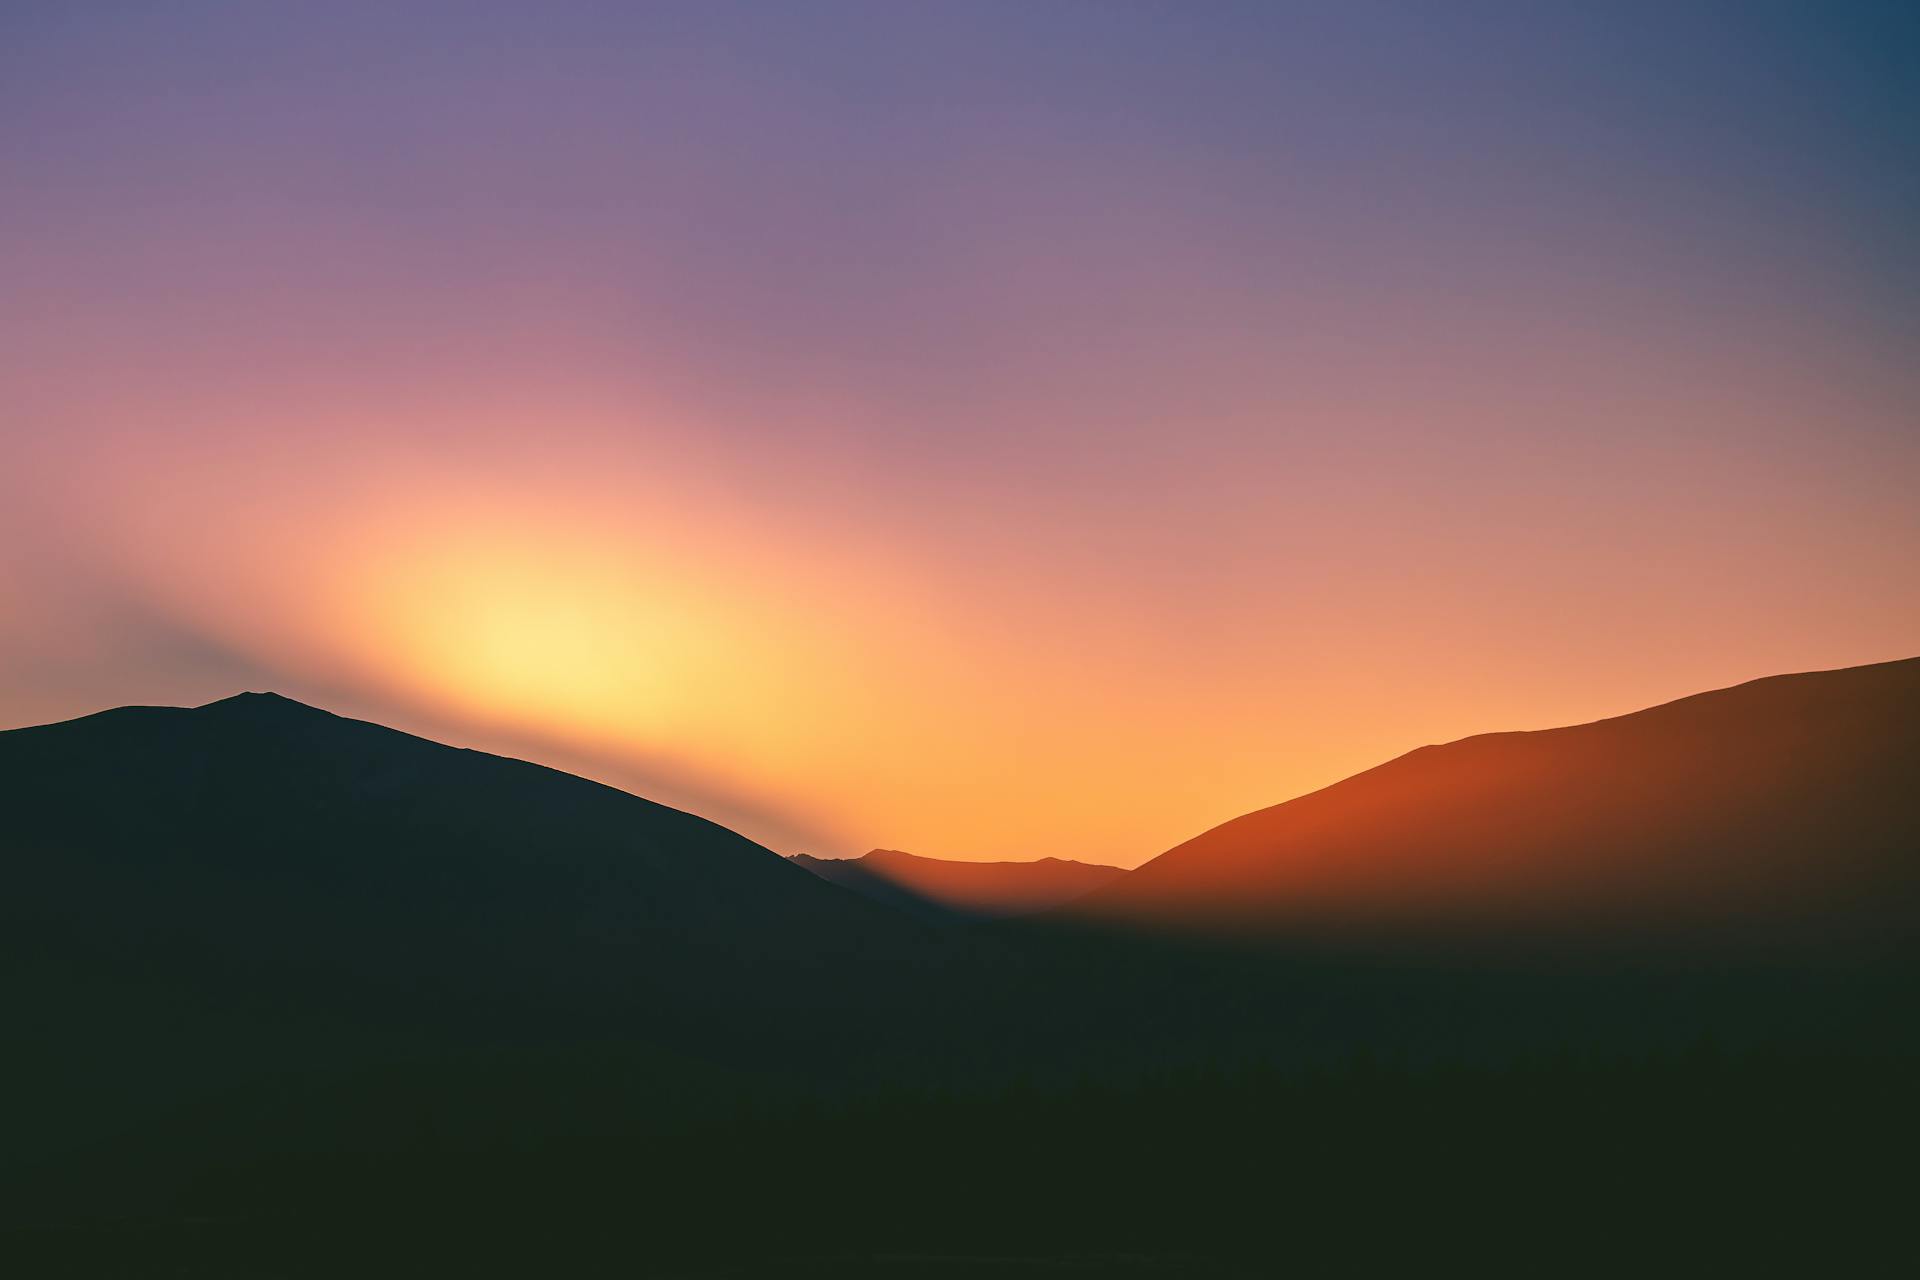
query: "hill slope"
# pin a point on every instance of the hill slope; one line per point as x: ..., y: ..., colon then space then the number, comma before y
x: 1780, y: 810
x: 978, y: 889
x: 258, y: 842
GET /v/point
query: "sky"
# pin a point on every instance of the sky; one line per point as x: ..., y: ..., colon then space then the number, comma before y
x: 987, y: 430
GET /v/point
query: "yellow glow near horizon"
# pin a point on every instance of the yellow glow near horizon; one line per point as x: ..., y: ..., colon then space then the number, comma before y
x: 828, y: 696
x: 509, y: 632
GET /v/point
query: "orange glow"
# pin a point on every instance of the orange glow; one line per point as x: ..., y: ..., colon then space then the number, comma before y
x: 983, y: 686
x: 1067, y: 501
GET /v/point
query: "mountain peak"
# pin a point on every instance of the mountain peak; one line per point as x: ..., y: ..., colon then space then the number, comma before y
x: 262, y: 703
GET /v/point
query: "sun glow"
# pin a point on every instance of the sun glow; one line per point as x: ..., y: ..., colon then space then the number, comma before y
x: 521, y: 634
x: 1061, y: 483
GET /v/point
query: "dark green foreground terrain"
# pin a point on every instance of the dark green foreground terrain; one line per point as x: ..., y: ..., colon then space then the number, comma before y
x: 290, y: 995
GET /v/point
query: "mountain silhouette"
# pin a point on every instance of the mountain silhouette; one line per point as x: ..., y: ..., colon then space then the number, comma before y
x: 259, y: 841
x: 982, y: 890
x: 1783, y: 810
x: 298, y: 994
x: 254, y: 931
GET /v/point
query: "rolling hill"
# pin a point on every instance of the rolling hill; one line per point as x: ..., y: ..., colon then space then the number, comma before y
x: 257, y: 834
x: 1782, y: 811
x: 294, y: 994
x: 246, y: 928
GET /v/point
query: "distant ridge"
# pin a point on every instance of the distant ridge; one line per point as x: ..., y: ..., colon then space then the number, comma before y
x: 937, y: 886
x: 1781, y: 811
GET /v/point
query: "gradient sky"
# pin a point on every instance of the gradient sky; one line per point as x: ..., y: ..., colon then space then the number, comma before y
x: 987, y: 430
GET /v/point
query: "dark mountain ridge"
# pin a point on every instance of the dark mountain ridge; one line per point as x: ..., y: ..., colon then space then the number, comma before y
x: 289, y: 988
x: 258, y: 840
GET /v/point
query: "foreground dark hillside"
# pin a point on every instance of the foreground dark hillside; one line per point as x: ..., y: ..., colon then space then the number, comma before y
x: 258, y: 840
x: 296, y: 995
x: 1702, y: 1163
x: 255, y: 896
